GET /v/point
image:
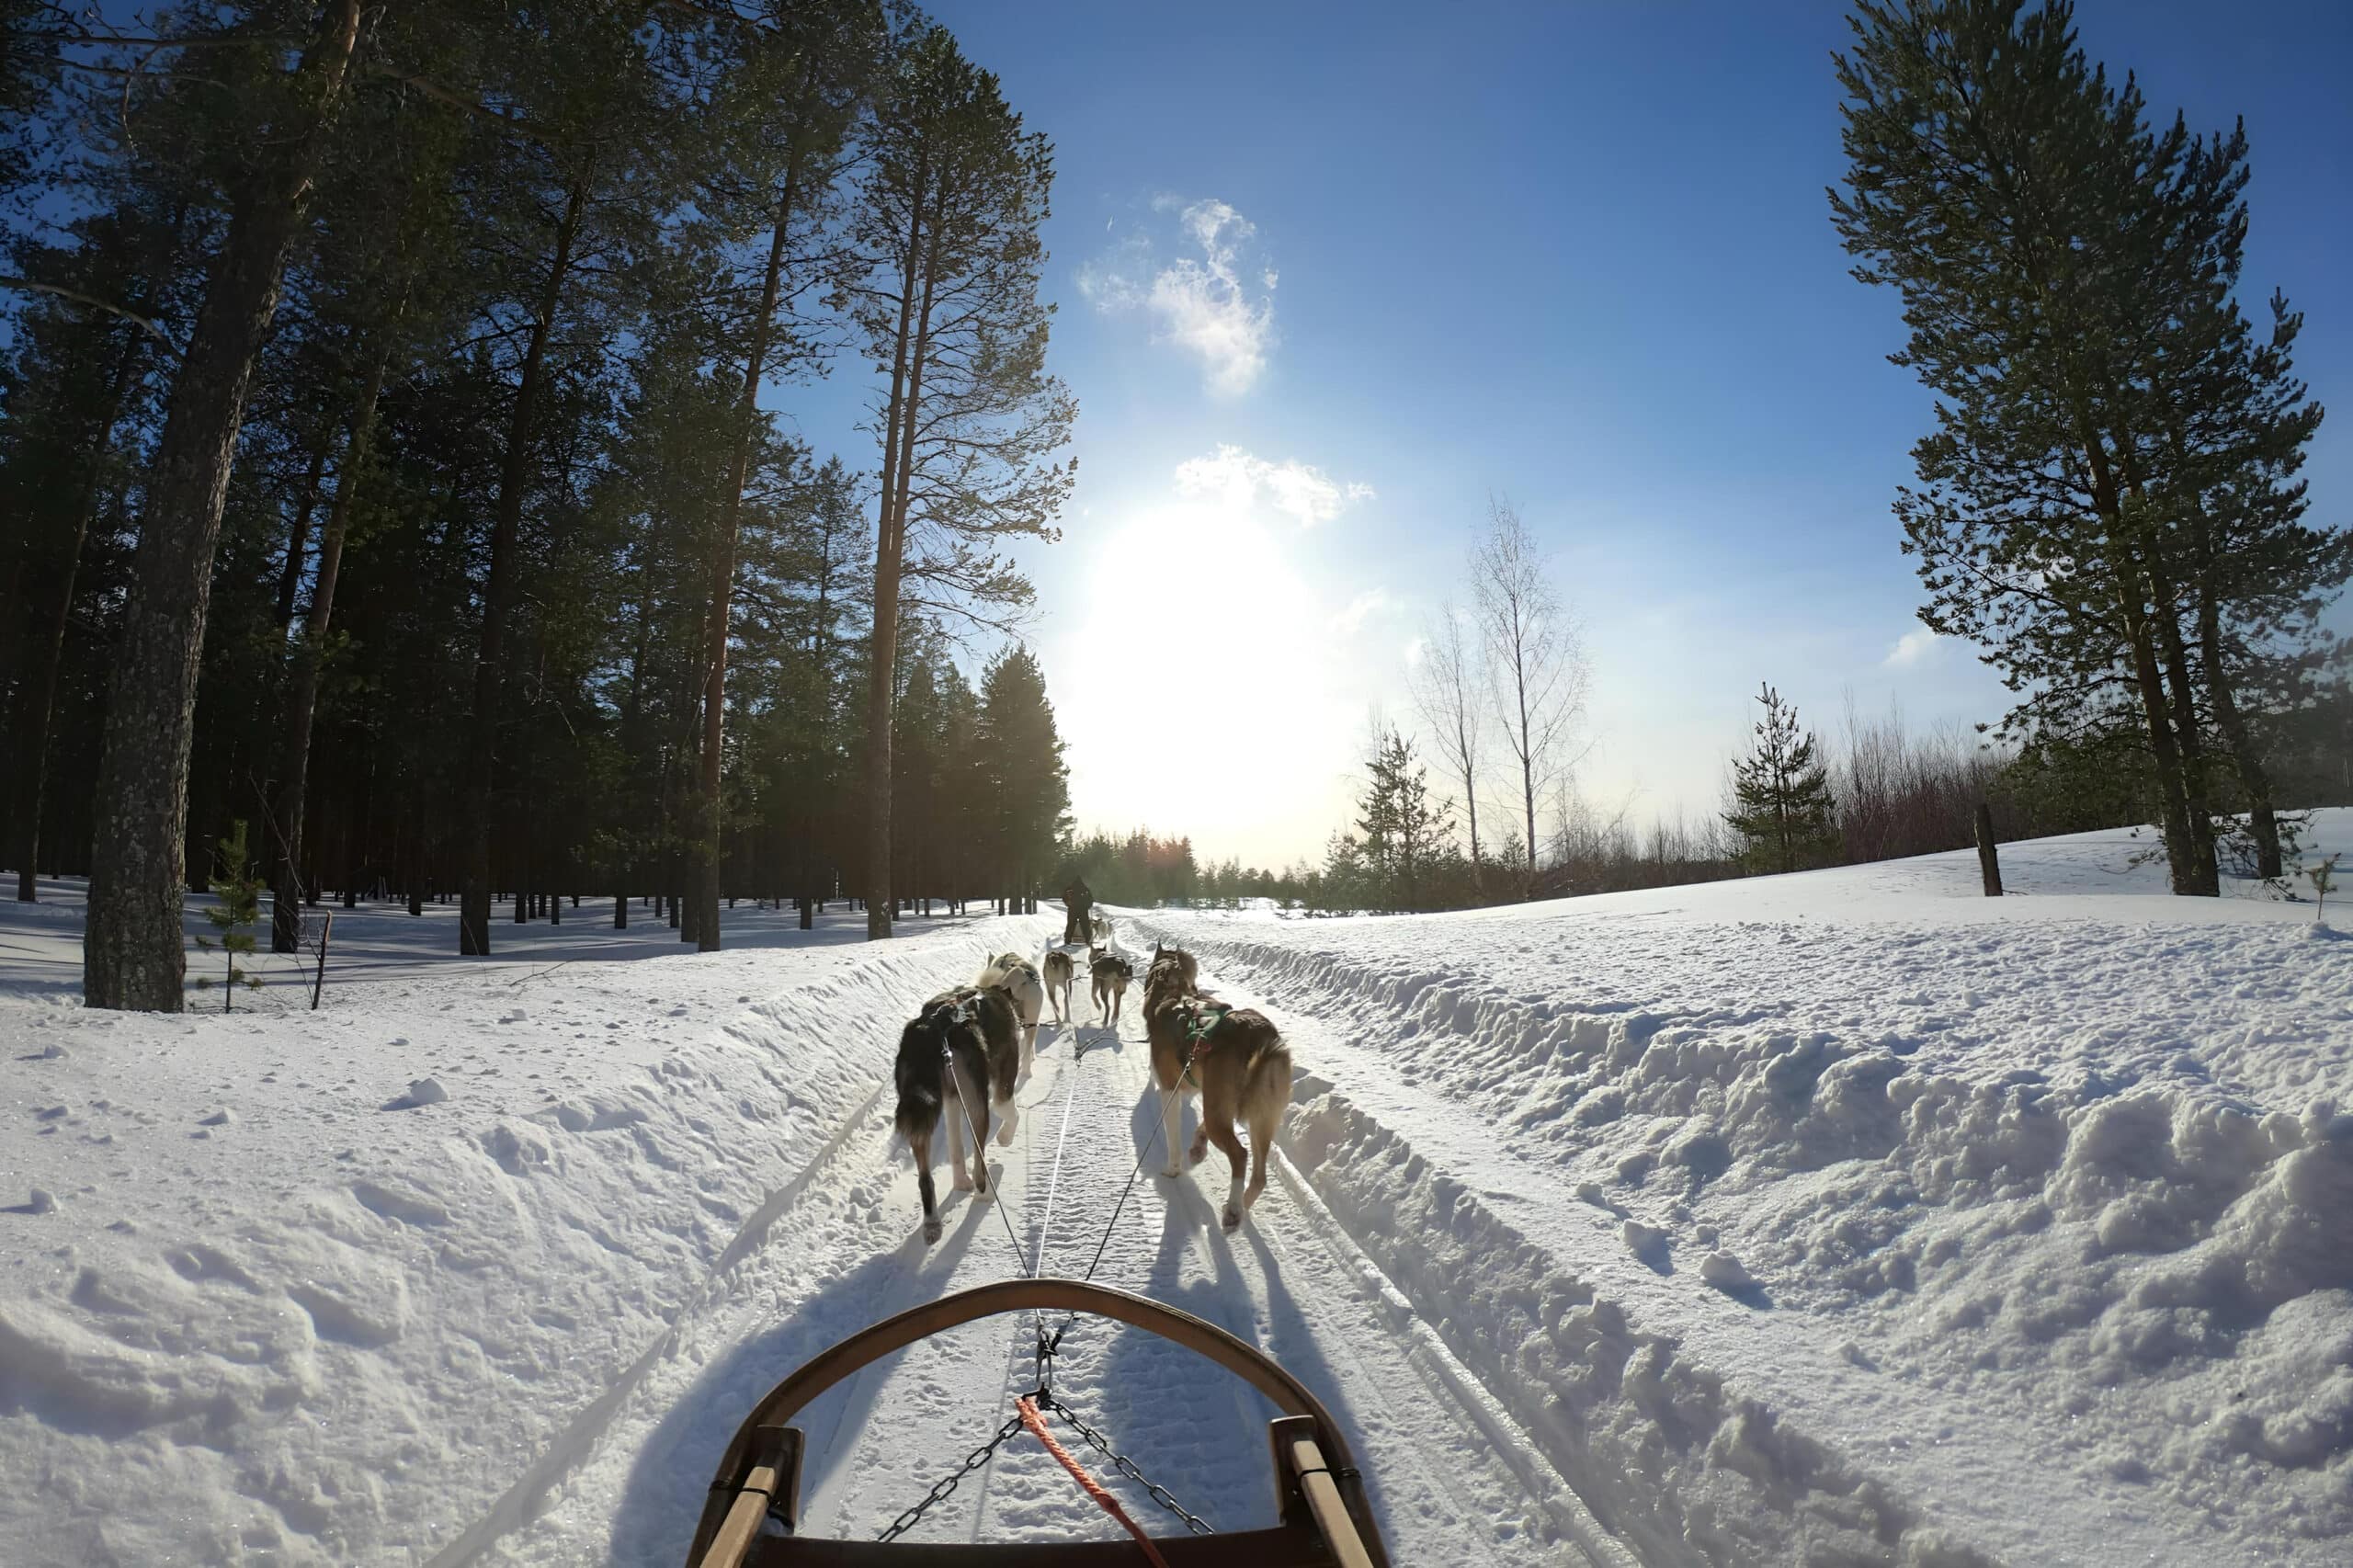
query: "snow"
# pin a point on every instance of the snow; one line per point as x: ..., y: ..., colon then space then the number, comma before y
x: 2031, y: 1213
x: 1847, y: 1216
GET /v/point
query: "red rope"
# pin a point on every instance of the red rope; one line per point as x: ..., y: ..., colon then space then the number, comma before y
x: 1086, y: 1483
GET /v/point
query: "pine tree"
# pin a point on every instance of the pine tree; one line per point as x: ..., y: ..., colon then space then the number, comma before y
x: 516, y: 580
x: 1783, y: 809
x: 1404, y: 829
x: 133, y: 955
x: 71, y: 384
x: 786, y: 109
x: 943, y: 287
x: 1025, y: 777
x: 2104, y: 420
x: 238, y: 891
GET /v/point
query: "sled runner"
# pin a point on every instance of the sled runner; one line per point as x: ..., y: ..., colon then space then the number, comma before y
x: 754, y: 1507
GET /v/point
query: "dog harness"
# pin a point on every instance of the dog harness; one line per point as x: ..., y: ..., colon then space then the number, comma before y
x: 1201, y: 1020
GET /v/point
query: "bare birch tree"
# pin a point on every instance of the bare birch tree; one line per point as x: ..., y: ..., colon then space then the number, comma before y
x: 1448, y: 686
x: 1536, y: 668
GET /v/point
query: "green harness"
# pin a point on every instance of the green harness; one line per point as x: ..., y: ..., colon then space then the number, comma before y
x: 1202, y: 1021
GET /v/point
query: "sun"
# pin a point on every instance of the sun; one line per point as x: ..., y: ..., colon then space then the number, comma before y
x: 1199, y: 696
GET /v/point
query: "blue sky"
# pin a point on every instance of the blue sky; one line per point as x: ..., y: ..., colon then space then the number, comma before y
x: 1579, y: 253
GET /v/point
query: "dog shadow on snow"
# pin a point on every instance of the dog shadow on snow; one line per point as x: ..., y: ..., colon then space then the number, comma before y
x: 664, y: 1495
x: 1191, y: 1425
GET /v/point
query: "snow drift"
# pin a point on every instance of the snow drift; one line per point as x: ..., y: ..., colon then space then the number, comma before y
x: 1885, y: 1224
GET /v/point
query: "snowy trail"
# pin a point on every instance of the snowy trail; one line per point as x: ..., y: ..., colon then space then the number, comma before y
x: 1453, y: 1479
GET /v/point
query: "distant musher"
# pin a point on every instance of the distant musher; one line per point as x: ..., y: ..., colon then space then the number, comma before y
x: 1077, y: 899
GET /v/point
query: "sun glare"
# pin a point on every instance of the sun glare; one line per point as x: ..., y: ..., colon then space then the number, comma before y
x: 1192, y: 697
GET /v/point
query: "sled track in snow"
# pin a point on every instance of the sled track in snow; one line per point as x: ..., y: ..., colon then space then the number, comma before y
x: 1453, y: 1478
x: 515, y: 1505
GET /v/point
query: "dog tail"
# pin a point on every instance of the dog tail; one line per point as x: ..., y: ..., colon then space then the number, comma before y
x: 1266, y: 1085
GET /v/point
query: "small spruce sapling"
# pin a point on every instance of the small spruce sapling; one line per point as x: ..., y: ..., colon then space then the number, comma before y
x: 2324, y: 877
x: 239, y: 891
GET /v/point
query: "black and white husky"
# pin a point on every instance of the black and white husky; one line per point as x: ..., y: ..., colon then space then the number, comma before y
x: 975, y: 1034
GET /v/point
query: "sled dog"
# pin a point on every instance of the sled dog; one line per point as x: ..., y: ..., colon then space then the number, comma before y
x: 1058, y: 971
x: 1190, y: 965
x: 1019, y: 979
x: 974, y: 1034
x: 1099, y: 930
x: 1111, y: 974
x: 1234, y: 1057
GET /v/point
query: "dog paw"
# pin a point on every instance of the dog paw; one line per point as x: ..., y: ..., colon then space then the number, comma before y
x: 961, y: 1183
x: 930, y: 1230
x: 1005, y: 1135
x: 981, y: 1182
x: 1231, y: 1218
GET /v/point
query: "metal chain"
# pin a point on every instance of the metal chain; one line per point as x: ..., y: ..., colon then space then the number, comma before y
x: 1123, y: 1464
x: 942, y: 1487
x: 1047, y: 1345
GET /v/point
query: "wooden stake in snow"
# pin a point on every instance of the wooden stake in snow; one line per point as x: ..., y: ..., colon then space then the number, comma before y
x: 1989, y: 865
x: 318, y: 984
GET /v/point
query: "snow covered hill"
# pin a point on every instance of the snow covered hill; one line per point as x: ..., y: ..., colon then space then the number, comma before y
x: 1841, y: 1217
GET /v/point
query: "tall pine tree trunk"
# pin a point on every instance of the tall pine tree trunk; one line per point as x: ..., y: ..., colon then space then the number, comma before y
x: 38, y: 697
x: 2205, y: 877
x: 134, y: 954
x: 2246, y: 757
x: 890, y: 543
x: 724, y: 565
x: 302, y: 680
x: 298, y: 536
x: 2148, y: 683
x: 478, y: 800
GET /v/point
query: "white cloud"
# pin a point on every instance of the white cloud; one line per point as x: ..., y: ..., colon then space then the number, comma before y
x: 1296, y: 489
x: 1416, y: 650
x: 1363, y: 607
x: 1201, y: 304
x: 1911, y: 648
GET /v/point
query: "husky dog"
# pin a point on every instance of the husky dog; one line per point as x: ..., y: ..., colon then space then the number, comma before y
x: 1058, y: 971
x: 1099, y: 930
x: 1111, y: 974
x: 1237, y: 1060
x: 975, y: 1035
x: 1020, y: 982
x: 1192, y: 966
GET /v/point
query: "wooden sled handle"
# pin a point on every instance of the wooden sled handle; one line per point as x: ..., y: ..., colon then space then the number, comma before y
x: 730, y: 1497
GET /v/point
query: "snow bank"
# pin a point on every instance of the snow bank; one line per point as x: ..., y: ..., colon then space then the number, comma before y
x: 285, y: 1287
x: 1893, y: 1227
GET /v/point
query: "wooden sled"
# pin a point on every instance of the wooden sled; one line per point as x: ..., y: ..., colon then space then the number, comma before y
x: 1325, y: 1519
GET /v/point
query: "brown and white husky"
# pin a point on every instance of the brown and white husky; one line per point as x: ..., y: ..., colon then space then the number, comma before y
x: 957, y: 1062
x: 1234, y: 1056
x: 1111, y: 974
x: 1058, y: 972
x: 1021, y: 981
x: 1191, y: 966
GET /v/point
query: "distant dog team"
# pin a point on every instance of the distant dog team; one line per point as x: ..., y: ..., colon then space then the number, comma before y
x: 961, y: 1058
